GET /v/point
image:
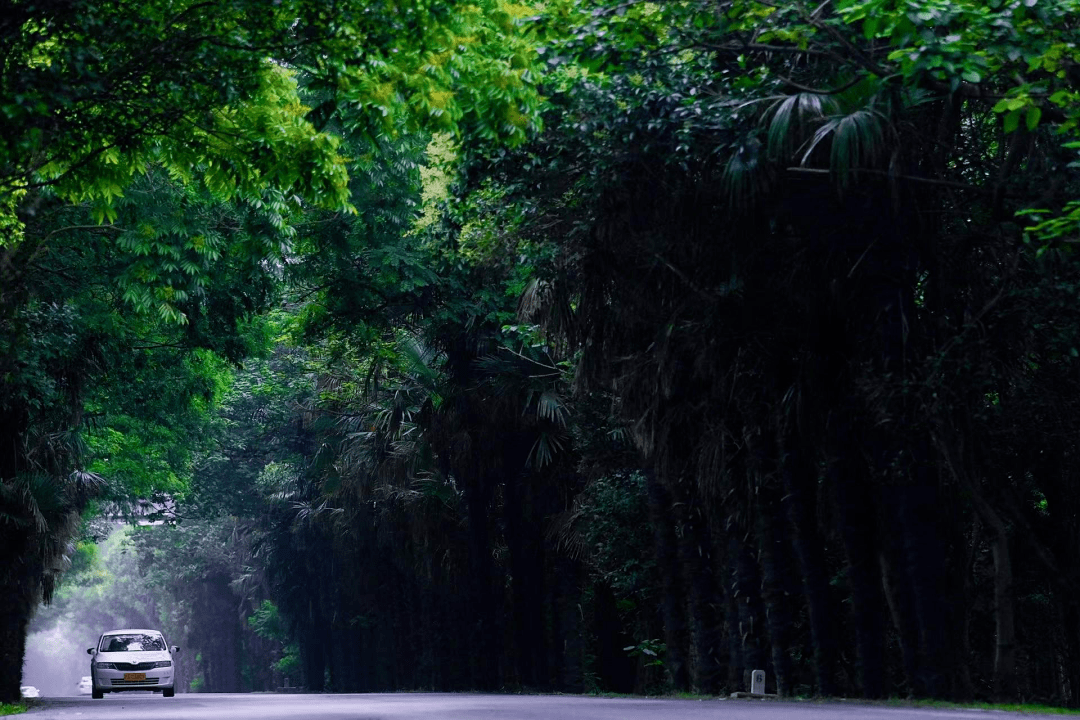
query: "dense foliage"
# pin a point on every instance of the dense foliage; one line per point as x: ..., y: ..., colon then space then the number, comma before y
x: 584, y: 346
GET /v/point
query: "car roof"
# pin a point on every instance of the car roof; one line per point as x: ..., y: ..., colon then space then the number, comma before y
x: 131, y: 631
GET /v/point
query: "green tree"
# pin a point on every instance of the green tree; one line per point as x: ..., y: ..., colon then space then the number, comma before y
x: 762, y: 210
x: 198, y: 106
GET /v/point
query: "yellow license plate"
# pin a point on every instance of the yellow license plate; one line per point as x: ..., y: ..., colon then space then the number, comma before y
x: 134, y: 676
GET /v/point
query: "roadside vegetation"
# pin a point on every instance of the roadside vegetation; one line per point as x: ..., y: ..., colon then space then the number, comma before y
x: 1023, y: 709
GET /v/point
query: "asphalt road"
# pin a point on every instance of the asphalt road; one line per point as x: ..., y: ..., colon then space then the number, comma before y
x: 418, y: 706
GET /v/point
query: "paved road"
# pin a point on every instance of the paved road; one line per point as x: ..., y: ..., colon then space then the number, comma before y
x: 465, y: 707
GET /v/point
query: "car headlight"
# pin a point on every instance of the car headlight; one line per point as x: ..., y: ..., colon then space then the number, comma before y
x: 105, y: 666
x: 162, y: 663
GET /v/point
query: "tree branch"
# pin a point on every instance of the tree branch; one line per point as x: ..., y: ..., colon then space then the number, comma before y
x: 815, y: 91
x: 911, y: 178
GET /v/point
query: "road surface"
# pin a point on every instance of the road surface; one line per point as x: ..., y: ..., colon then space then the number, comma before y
x: 435, y: 706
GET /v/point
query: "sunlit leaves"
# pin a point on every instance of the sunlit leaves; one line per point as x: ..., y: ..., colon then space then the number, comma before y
x: 124, y: 88
x: 466, y: 69
x: 134, y: 462
x: 95, y: 99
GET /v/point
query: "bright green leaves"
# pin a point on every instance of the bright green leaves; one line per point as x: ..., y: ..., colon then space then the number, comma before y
x: 265, y: 143
x: 1019, y: 107
x: 135, y: 460
x: 435, y: 178
x: 173, y: 243
x: 1031, y: 118
x: 491, y: 223
x: 1063, y: 226
x: 945, y: 41
x: 1049, y: 229
x: 470, y: 71
x: 95, y: 96
x: 1024, y: 105
x: 101, y: 96
x: 601, y: 37
x: 1021, y: 49
x: 11, y: 227
x: 154, y: 416
x: 267, y: 622
x: 261, y: 144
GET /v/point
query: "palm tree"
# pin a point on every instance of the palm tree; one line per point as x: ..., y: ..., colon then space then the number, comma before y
x: 40, y: 513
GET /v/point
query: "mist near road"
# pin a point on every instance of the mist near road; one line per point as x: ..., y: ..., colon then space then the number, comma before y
x: 104, y: 590
x: 56, y: 658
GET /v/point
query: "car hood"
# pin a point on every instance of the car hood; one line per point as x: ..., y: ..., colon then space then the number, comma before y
x: 133, y: 657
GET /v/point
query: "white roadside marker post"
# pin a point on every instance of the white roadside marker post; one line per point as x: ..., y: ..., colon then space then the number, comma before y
x: 757, y: 682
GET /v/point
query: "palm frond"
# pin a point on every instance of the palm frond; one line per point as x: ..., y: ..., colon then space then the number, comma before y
x: 309, y: 513
x: 531, y: 300
x: 564, y: 533
x: 544, y: 450
x: 745, y: 177
x: 791, y: 118
x: 857, y: 141
x: 550, y: 406
x: 421, y: 359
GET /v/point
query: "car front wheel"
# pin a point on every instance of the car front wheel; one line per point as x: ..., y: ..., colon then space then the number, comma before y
x: 96, y: 694
x: 167, y: 692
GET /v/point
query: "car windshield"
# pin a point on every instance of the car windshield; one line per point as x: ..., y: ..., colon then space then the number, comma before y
x: 133, y: 642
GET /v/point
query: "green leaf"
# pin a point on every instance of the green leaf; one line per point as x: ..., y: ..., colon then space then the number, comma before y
x: 1012, y: 121
x: 1033, y: 115
x: 870, y: 27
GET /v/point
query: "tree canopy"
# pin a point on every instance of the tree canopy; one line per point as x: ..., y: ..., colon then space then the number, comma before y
x: 577, y: 346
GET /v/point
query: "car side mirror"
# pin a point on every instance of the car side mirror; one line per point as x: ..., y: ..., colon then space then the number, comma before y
x: 90, y: 651
x: 175, y: 649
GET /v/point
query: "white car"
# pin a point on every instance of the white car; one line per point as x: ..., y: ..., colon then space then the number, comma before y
x: 86, y: 685
x: 131, y: 660
x: 29, y: 691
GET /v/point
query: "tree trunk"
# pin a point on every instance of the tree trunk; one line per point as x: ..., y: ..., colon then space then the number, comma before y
x: 694, y: 550
x: 16, y: 608
x: 18, y: 586
x: 313, y: 650
x: 779, y: 584
x: 1005, y: 687
x: 1069, y: 612
x: 672, y: 603
x: 1004, y: 620
x: 222, y: 637
x: 736, y: 662
x: 430, y: 639
x: 523, y: 541
x: 486, y: 639
x: 901, y: 599
x: 925, y: 553
x: 747, y: 591
x: 857, y: 512
x: 800, y: 483
x: 568, y: 616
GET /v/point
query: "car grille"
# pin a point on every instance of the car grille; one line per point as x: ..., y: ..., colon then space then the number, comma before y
x: 128, y: 667
x: 118, y: 682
